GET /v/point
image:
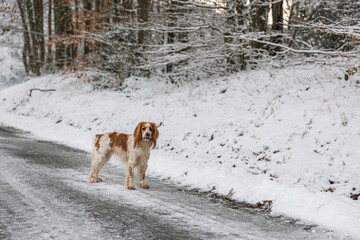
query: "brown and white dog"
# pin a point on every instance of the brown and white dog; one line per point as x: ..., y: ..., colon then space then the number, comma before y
x: 133, y: 149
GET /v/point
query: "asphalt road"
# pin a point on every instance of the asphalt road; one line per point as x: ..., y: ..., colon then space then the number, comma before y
x: 45, y: 194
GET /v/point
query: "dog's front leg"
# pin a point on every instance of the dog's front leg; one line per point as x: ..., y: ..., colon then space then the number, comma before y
x: 141, y: 174
x: 130, y: 174
x: 130, y: 177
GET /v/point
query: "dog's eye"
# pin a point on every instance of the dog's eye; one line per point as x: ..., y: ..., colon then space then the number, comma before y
x: 151, y: 129
x: 143, y: 129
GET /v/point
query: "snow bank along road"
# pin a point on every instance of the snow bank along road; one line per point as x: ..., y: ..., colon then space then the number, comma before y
x: 45, y: 195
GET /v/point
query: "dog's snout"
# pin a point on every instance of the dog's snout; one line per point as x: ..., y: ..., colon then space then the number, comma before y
x: 147, y: 134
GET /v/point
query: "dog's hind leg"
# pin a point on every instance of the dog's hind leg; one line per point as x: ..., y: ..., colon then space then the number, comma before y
x: 98, y: 161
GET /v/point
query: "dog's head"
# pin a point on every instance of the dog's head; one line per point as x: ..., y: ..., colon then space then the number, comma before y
x: 146, y: 131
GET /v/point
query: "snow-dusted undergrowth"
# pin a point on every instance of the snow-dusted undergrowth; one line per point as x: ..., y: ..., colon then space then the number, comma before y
x: 287, y: 135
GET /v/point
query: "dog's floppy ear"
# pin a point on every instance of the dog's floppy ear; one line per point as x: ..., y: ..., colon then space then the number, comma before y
x: 155, y: 134
x: 137, y: 134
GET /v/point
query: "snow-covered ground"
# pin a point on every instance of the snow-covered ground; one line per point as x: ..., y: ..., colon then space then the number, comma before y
x: 290, y: 136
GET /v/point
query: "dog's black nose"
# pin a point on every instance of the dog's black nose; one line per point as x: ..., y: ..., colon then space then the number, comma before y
x: 147, y: 134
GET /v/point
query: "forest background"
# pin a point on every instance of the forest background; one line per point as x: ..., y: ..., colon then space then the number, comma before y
x: 180, y: 40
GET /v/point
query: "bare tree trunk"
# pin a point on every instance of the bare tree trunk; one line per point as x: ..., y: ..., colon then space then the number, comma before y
x: 180, y: 9
x: 39, y: 23
x: 76, y: 28
x: 49, y: 58
x: 63, y: 29
x: 277, y: 15
x: 171, y: 23
x: 240, y: 11
x: 235, y: 20
x: 59, y: 33
x: 26, y: 49
x: 258, y: 19
x: 88, y: 12
x: 291, y: 14
x: 34, y: 43
x: 176, y: 11
x: 296, y: 21
x: 259, y: 15
x: 143, y: 18
x: 69, y: 33
x: 277, y: 25
x: 228, y: 37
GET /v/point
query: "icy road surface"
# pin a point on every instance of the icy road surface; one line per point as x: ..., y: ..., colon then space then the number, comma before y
x: 45, y: 195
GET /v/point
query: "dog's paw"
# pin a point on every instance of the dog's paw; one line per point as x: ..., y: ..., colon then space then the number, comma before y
x: 95, y: 180
x: 130, y: 187
x: 145, y: 186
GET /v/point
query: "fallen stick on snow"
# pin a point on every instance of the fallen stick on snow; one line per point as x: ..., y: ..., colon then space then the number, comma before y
x: 41, y: 90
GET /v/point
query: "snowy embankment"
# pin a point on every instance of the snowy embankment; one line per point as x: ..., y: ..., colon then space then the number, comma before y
x: 289, y: 136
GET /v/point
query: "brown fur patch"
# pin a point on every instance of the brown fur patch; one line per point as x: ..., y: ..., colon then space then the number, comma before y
x: 155, y: 134
x: 137, y: 133
x: 97, y: 143
x: 119, y: 140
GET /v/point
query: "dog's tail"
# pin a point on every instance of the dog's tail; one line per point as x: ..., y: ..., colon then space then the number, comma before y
x: 97, y: 141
